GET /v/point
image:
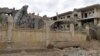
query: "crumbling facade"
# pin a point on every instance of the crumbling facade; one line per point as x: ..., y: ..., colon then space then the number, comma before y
x: 81, y: 17
x: 22, y: 41
x: 22, y: 19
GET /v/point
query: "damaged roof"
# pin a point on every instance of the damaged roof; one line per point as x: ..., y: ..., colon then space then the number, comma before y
x: 89, y: 7
x: 79, y: 9
x: 65, y: 13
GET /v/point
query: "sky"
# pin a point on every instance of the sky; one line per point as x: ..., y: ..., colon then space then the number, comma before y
x: 48, y: 7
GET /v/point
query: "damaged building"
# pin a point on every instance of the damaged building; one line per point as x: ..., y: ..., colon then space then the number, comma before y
x: 22, y: 19
x: 81, y: 17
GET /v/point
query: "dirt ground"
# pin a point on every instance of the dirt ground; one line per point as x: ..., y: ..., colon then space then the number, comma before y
x: 89, y: 48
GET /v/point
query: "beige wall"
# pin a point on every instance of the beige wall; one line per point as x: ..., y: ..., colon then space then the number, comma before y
x: 37, y: 38
x: 98, y: 12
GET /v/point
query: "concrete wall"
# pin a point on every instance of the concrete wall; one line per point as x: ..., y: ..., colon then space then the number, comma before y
x: 98, y: 12
x: 37, y: 38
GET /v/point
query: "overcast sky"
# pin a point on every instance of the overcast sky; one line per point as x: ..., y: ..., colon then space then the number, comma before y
x: 48, y: 7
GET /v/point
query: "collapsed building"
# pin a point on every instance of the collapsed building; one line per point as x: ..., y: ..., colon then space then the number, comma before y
x: 81, y: 17
x: 22, y: 19
x: 15, y: 41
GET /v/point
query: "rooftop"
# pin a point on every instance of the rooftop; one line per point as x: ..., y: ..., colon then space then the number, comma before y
x: 89, y: 7
x: 80, y: 9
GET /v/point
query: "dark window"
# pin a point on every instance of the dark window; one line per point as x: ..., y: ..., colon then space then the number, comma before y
x: 62, y: 17
x: 68, y: 16
x: 76, y: 25
x: 75, y: 15
x: 68, y: 26
x: 85, y: 15
x: 89, y: 12
x: 93, y: 12
x: 55, y: 18
x: 82, y: 15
